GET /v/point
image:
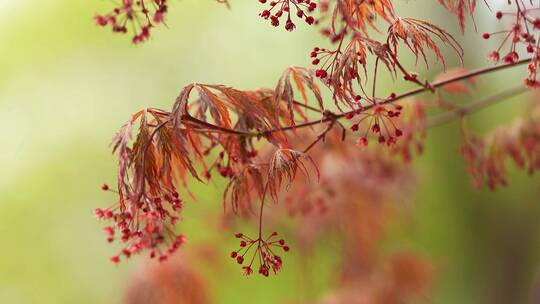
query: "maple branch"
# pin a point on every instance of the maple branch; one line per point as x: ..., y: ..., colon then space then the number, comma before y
x: 211, y: 127
x: 306, y: 106
x: 321, y: 136
x: 335, y: 117
x: 412, y: 92
x: 413, y: 78
x: 208, y: 127
x: 474, y: 106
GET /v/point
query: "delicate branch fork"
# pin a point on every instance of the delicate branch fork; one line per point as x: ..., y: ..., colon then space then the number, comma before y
x: 410, y: 93
x: 208, y: 127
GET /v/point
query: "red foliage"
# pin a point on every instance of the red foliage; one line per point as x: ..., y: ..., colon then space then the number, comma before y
x: 487, y: 158
x: 460, y: 8
x: 264, y: 253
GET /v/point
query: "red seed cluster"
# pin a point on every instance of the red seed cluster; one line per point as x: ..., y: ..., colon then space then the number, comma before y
x: 136, y: 17
x: 380, y: 122
x: 263, y: 253
x: 522, y: 35
x: 324, y: 55
x: 146, y: 225
x: 302, y: 9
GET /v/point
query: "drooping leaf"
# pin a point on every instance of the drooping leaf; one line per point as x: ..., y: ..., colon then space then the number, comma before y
x: 243, y: 188
x: 361, y: 14
x: 217, y: 108
x: 417, y: 36
x: 460, y: 8
x: 302, y: 78
x: 180, y: 107
x: 284, y: 167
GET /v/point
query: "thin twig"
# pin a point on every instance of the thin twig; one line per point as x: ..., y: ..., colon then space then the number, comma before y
x: 208, y: 127
x: 306, y: 106
x: 412, y: 92
x: 211, y: 127
x: 321, y: 136
x: 474, y: 106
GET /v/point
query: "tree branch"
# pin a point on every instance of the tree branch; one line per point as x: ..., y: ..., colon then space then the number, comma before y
x: 412, y: 92
x: 474, y: 106
x: 208, y: 127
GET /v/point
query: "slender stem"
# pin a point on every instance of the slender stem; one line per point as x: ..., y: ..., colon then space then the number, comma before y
x: 375, y: 78
x: 306, y: 106
x: 412, y: 92
x: 208, y: 127
x: 213, y: 127
x: 474, y: 106
x: 143, y: 162
x: 261, y: 211
x: 471, y: 74
x: 321, y: 136
x: 412, y: 78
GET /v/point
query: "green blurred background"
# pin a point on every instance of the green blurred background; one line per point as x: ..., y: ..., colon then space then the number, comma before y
x: 66, y: 86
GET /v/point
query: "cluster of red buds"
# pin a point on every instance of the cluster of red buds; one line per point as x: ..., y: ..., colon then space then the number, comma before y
x: 523, y: 34
x: 380, y: 122
x: 224, y: 169
x: 135, y: 16
x: 147, y: 224
x: 278, y: 8
x: 324, y: 55
x: 264, y: 253
x: 224, y: 166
